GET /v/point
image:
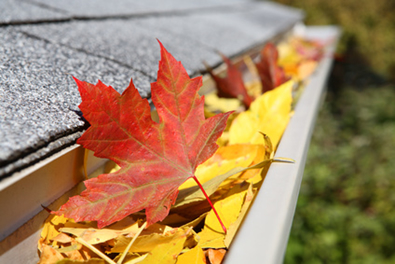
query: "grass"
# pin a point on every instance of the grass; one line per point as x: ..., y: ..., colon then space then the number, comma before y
x: 347, y: 198
x: 344, y: 212
x: 368, y: 27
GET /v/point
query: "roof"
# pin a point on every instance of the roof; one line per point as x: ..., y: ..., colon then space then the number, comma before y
x: 46, y: 42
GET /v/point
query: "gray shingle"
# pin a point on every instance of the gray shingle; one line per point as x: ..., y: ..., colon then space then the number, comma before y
x: 233, y: 32
x: 190, y: 38
x: 14, y: 11
x: 111, y: 41
x: 100, y: 8
x: 131, y: 42
x: 38, y: 97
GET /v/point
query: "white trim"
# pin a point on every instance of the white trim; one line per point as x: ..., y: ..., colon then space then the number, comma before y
x: 23, y: 193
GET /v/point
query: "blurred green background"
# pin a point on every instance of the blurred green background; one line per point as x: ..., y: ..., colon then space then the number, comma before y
x: 345, y: 212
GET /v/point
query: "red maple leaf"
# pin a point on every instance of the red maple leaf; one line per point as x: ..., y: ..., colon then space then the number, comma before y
x: 270, y: 73
x: 155, y: 158
x: 231, y: 86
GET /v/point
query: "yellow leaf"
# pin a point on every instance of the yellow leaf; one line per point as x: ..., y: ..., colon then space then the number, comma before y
x: 254, y: 87
x: 263, y: 153
x: 288, y: 55
x: 256, y: 178
x: 146, y: 243
x: 136, y: 260
x: 213, y: 103
x: 194, y: 193
x: 62, y: 238
x: 90, y: 261
x: 193, y: 256
x: 212, y: 235
x: 235, y: 225
x: 228, y: 209
x: 96, y: 236
x: 52, y: 223
x: 155, y: 228
x: 72, y: 248
x: 269, y: 114
x: 167, y: 253
x: 224, y: 159
x: 210, y: 239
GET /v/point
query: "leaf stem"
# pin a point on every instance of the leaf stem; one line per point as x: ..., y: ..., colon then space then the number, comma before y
x: 142, y: 227
x: 94, y: 249
x: 209, y: 201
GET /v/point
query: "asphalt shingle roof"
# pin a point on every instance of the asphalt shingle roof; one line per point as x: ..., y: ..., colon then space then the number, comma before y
x: 45, y: 42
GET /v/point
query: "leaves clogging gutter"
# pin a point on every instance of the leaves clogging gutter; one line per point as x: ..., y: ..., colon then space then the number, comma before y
x: 155, y: 160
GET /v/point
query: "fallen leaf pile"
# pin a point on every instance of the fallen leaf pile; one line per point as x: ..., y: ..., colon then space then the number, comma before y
x: 299, y: 57
x: 150, y: 207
